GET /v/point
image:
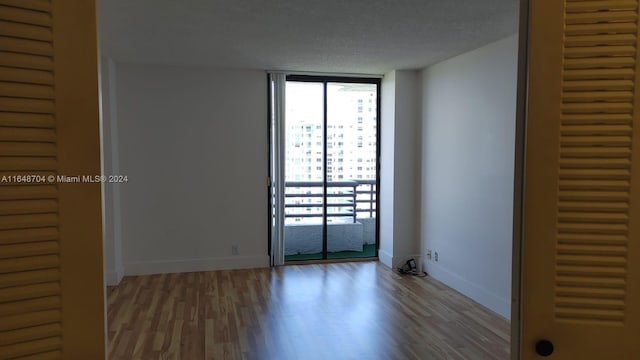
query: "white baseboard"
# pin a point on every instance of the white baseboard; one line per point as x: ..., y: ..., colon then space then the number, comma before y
x: 396, y: 261
x: 385, y: 258
x: 113, y: 277
x: 481, y: 295
x: 191, y: 265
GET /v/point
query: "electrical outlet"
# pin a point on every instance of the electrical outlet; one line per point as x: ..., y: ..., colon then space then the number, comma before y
x: 234, y: 250
x: 435, y: 256
x: 429, y: 254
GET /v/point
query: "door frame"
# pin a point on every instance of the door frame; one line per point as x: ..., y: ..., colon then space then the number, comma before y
x: 519, y: 180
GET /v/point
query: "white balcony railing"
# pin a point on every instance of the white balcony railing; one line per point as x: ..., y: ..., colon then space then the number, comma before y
x: 347, y: 201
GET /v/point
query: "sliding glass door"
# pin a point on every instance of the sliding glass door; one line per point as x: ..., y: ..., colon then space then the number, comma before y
x: 351, y: 169
x: 304, y: 171
x: 330, y: 166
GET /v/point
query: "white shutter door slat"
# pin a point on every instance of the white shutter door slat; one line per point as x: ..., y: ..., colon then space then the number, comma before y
x: 30, y: 290
x: 37, y: 5
x: 25, y: 15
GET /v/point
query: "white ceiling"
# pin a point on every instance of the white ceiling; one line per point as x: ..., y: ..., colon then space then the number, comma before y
x: 343, y: 36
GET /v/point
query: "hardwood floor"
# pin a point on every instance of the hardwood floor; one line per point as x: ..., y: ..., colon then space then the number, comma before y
x: 331, y: 311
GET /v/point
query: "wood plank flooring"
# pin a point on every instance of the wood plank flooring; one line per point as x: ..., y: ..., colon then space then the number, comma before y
x: 337, y: 311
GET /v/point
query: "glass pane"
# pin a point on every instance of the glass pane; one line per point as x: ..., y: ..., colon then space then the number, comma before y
x: 304, y: 171
x: 351, y: 170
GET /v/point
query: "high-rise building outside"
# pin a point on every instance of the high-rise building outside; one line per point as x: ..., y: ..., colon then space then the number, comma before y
x: 351, y: 132
x: 351, y: 139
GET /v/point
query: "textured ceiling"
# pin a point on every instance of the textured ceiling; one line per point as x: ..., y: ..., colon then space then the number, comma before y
x: 344, y: 36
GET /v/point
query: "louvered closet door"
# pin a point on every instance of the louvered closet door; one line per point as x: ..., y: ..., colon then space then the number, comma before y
x: 581, y: 250
x: 51, y: 286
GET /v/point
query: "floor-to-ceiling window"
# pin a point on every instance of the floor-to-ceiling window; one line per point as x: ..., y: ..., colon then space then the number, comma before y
x: 330, y: 158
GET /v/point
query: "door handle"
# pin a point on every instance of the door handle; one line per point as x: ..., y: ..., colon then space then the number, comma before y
x: 544, y: 348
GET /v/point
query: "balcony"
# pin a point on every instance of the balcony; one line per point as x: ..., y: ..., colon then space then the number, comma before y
x: 351, y: 218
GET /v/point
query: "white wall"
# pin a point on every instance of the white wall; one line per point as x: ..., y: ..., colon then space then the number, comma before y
x: 193, y: 143
x: 407, y: 161
x: 399, y: 172
x: 468, y: 125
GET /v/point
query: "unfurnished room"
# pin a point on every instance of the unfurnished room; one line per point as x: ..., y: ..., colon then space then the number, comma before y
x: 288, y: 179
